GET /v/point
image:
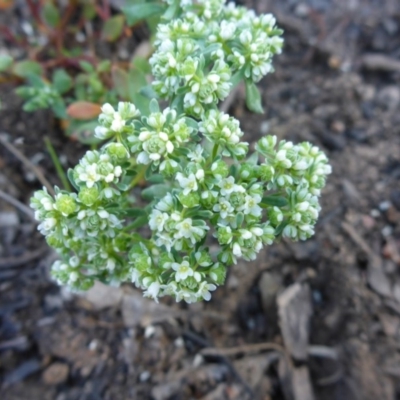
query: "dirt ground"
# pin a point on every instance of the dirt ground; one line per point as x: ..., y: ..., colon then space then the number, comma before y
x: 318, y: 319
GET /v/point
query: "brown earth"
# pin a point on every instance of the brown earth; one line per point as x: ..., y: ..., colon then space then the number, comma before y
x: 337, y: 84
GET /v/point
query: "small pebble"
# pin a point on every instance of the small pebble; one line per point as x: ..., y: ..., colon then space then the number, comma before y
x: 149, y: 331
x: 198, y: 360
x: 144, y: 376
x: 375, y: 213
x: 55, y: 374
x: 387, y: 230
x: 385, y: 205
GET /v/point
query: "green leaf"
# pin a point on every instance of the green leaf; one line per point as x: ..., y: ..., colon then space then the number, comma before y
x: 86, y: 66
x: 274, y: 200
x: 253, y: 97
x: 50, y: 14
x: 89, y: 11
x: 156, y: 191
x: 104, y: 66
x: 239, y: 219
x: 70, y: 174
x: 141, y: 64
x: 121, y: 82
x: 26, y: 68
x: 137, y: 81
x: 279, y: 229
x: 135, y: 212
x: 62, y: 82
x: 253, y: 159
x: 153, y: 106
x: 5, y: 62
x: 59, y: 108
x: 139, y: 222
x: 171, y: 11
x: 112, y: 28
x: 237, y: 77
x: 203, y: 214
x: 83, y: 131
x: 138, y: 12
x: 155, y: 178
x: 148, y: 92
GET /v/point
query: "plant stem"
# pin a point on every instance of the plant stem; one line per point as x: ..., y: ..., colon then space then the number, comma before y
x: 139, y: 176
x: 214, y: 152
x: 56, y: 161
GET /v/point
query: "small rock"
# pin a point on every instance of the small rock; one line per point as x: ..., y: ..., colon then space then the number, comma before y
x: 391, y: 250
x: 395, y: 197
x: 390, y: 324
x: 392, y: 215
x: 396, y: 292
x: 20, y: 373
x: 377, y: 279
x: 325, y: 111
x: 137, y: 310
x: 269, y: 285
x: 102, y: 296
x: 166, y: 390
x: 338, y: 126
x: 55, y: 374
x: 389, y: 97
x: 9, y: 219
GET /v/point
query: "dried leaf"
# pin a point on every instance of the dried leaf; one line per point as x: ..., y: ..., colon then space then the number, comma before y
x: 83, y: 110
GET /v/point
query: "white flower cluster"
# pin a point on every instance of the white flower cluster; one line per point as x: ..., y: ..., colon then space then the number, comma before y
x: 225, y: 131
x: 202, y: 188
x: 172, y: 229
x: 113, y: 122
x: 300, y: 170
x: 158, y: 136
x: 197, y: 54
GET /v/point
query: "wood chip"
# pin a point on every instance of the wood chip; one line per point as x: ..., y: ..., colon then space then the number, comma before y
x: 294, y: 308
x: 301, y: 382
x: 55, y: 374
x: 380, y: 62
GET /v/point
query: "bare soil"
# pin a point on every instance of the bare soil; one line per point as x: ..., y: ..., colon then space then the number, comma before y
x: 337, y: 84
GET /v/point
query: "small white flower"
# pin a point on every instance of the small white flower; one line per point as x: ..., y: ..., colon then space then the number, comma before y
x: 186, y: 230
x: 157, y: 220
x: 183, y: 270
x: 108, y: 109
x: 196, y: 155
x: 223, y: 207
x: 200, y: 174
x: 236, y: 250
x: 143, y: 158
x: 251, y: 205
x: 205, y: 289
x: 153, y: 290
x: 227, y: 185
x: 169, y: 146
x: 188, y: 184
x: 100, y: 132
x: 118, y: 123
x: 145, y: 135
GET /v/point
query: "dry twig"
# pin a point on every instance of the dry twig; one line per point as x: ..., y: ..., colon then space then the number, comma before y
x: 17, y: 204
x: 38, y: 173
x: 10, y: 262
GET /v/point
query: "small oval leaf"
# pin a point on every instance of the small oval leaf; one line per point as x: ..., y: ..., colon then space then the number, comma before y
x: 84, y: 110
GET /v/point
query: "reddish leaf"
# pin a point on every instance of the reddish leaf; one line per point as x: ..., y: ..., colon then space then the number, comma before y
x: 5, y: 4
x: 83, y: 110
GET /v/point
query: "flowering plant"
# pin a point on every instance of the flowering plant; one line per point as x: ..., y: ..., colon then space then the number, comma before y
x: 204, y: 188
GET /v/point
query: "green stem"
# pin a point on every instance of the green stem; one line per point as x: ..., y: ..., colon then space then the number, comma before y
x: 56, y: 161
x: 215, y: 151
x: 139, y: 176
